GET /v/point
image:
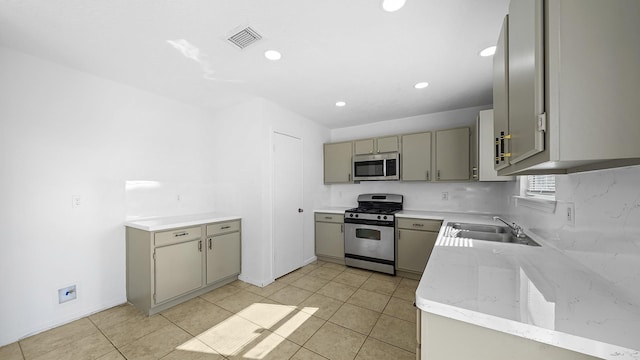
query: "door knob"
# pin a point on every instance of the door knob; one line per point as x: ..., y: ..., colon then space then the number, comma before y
x: 300, y: 210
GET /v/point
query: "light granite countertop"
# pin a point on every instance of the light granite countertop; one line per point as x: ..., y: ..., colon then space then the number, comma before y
x: 537, y: 293
x: 173, y: 222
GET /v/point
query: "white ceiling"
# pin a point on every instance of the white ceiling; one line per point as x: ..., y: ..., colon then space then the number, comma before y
x: 332, y: 50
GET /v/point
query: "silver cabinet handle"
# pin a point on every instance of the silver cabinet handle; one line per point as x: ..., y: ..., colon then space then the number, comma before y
x: 427, y: 174
x: 328, y: 217
x: 210, y: 246
x: 349, y: 177
x: 418, y: 225
x: 438, y: 175
x: 200, y: 245
x: 342, y: 228
x: 225, y: 227
x: 184, y: 233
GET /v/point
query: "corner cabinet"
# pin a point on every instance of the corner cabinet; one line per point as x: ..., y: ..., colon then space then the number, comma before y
x: 415, y: 241
x: 337, y: 162
x: 165, y: 268
x: 566, y: 75
x: 329, y: 233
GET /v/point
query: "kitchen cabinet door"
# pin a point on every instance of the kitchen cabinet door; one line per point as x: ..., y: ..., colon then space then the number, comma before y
x: 452, y: 154
x: 526, y: 79
x: 500, y: 145
x: 416, y: 157
x: 329, y: 235
x: 338, y: 162
x: 486, y: 146
x: 387, y: 144
x: 364, y: 147
x: 414, y: 249
x: 178, y: 269
x: 223, y: 256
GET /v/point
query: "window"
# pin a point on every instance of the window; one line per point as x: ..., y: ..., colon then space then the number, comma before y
x: 541, y: 186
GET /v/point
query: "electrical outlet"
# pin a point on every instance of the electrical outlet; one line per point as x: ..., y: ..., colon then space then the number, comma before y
x: 445, y: 195
x: 76, y: 201
x: 66, y: 294
x: 570, y: 214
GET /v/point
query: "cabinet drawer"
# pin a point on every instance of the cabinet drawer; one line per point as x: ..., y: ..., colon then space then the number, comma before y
x: 176, y: 236
x: 419, y: 224
x: 223, y: 227
x: 326, y: 217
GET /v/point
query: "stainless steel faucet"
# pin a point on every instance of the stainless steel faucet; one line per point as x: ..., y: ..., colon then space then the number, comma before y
x: 517, y: 229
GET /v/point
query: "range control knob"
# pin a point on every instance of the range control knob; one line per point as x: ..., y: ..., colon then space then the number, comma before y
x: 356, y: 215
x: 351, y: 215
x: 379, y: 217
x: 385, y: 217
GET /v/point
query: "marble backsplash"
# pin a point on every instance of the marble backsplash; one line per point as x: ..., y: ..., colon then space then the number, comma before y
x: 606, y: 235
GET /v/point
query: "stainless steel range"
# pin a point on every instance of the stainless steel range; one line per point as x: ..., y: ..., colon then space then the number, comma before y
x: 369, y: 232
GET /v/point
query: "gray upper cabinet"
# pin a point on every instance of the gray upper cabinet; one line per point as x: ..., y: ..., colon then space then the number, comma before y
x: 501, y: 98
x: 526, y: 92
x: 364, y: 147
x: 416, y: 157
x: 484, y: 157
x: 452, y: 154
x: 573, y: 83
x: 387, y: 144
x: 380, y: 145
x: 337, y: 162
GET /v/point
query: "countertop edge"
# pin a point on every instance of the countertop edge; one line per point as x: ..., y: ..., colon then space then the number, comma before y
x: 527, y: 331
x: 166, y: 223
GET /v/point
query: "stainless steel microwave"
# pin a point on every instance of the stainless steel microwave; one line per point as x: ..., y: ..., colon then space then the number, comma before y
x: 376, y: 167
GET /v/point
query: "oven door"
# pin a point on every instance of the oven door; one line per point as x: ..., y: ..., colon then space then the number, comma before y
x: 370, y: 241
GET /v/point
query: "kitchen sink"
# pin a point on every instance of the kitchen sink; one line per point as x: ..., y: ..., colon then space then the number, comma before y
x: 488, y: 233
x: 481, y: 228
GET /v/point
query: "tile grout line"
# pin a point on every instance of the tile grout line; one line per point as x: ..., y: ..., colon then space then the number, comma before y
x: 106, y: 337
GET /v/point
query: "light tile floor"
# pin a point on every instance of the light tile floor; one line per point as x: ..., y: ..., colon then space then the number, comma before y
x: 321, y: 311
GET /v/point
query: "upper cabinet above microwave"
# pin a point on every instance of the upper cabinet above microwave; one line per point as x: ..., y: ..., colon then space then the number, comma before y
x: 387, y: 144
x: 567, y: 86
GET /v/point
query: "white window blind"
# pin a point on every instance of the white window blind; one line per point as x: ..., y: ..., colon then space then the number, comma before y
x: 541, y: 185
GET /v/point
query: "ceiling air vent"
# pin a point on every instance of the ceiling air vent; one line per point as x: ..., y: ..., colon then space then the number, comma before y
x: 244, y: 37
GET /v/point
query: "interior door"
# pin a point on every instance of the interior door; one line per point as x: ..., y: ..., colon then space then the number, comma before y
x: 288, y: 242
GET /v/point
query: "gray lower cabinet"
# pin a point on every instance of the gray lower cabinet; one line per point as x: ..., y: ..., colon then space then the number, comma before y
x: 415, y: 241
x: 178, y: 269
x: 165, y: 268
x: 330, y: 237
x: 223, y: 251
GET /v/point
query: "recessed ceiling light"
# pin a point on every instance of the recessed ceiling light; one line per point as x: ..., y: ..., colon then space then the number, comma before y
x: 272, y: 55
x: 488, y: 51
x: 341, y: 103
x: 392, y: 5
x: 421, y: 85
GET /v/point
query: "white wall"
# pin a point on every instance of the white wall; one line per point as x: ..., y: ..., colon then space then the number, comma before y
x: 483, y: 197
x: 127, y: 153
x: 606, y: 234
x: 65, y: 133
x: 244, y: 135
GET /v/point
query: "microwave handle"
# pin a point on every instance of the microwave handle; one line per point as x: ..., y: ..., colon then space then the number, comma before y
x: 384, y: 167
